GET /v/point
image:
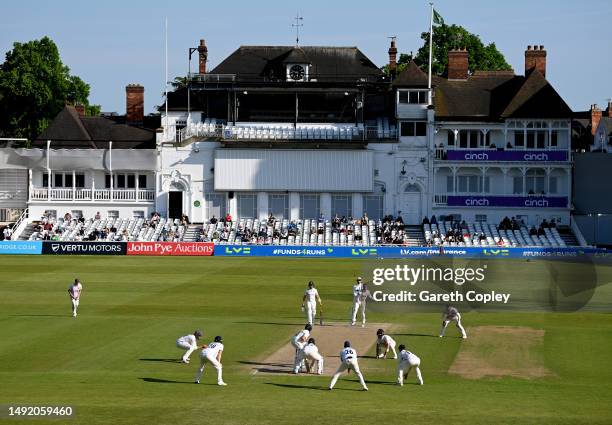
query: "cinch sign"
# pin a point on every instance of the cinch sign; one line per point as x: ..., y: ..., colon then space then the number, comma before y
x: 170, y: 248
x: 495, y: 155
x: 508, y: 201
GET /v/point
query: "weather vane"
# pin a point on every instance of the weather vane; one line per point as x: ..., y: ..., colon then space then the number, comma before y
x: 297, y: 26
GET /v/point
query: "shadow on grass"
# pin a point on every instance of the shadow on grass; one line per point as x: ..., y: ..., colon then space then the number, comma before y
x: 426, y: 335
x: 41, y: 315
x: 280, y: 368
x: 167, y: 381
x: 273, y: 323
x: 162, y: 360
x: 294, y: 386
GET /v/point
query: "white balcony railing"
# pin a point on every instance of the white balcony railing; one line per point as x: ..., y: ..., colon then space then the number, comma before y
x: 89, y: 195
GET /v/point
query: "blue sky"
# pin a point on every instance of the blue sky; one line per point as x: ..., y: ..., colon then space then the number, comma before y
x: 110, y: 44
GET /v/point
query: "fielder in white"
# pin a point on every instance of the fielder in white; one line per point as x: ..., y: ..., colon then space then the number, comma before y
x: 299, y: 341
x: 189, y: 343
x: 357, y: 298
x: 212, y: 354
x: 407, y: 361
x: 348, y: 361
x: 384, y: 343
x: 75, y: 291
x: 310, y: 355
x: 451, y: 314
x: 309, y: 302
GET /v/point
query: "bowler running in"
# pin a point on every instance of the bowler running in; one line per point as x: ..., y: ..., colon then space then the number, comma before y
x: 75, y: 290
x: 348, y: 361
x: 188, y: 343
x: 212, y: 354
x: 360, y: 295
x: 309, y: 302
x: 311, y: 356
x: 451, y: 314
x: 407, y: 361
x: 384, y: 343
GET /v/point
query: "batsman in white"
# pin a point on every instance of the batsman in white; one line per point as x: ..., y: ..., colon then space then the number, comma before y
x: 309, y: 302
x: 310, y: 354
x: 384, y: 343
x: 348, y: 361
x: 189, y: 343
x: 357, y: 289
x: 407, y: 361
x: 212, y: 354
x: 451, y: 314
x: 75, y: 290
x: 299, y: 341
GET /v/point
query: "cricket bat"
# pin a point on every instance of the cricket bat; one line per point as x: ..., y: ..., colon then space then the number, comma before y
x: 320, y: 316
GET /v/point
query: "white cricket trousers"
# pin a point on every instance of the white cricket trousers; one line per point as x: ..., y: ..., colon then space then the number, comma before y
x: 299, y: 346
x: 386, y: 349
x: 356, y: 306
x: 311, y: 311
x: 457, y: 320
x: 209, y: 358
x: 404, y: 367
x: 189, y: 349
x: 349, y: 364
x: 309, y: 355
x: 75, y: 306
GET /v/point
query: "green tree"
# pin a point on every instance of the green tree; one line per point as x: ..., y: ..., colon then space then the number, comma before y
x: 447, y: 37
x: 34, y: 87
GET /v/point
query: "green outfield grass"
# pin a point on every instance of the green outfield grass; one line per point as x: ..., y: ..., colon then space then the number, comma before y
x: 109, y: 362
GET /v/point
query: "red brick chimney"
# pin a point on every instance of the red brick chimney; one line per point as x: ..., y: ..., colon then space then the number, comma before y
x: 535, y: 58
x: 134, y: 103
x: 203, y: 55
x: 458, y: 64
x: 609, y: 108
x: 80, y: 108
x: 595, y: 118
x: 392, y: 58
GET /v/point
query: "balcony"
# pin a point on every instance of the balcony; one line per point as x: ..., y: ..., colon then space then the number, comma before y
x: 504, y: 201
x: 279, y: 132
x: 506, y: 155
x: 92, y: 195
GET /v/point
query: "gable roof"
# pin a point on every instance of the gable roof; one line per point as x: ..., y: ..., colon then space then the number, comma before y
x: 68, y: 129
x: 411, y: 76
x: 494, y: 96
x: 327, y: 64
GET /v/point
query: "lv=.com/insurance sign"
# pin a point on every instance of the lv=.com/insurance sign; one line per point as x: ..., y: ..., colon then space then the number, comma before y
x: 170, y: 248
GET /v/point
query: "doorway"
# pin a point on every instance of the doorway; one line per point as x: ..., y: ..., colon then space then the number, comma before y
x: 175, y: 204
x: 410, y: 204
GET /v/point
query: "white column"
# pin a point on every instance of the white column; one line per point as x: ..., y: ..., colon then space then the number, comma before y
x: 454, y: 180
x: 93, y: 184
x: 484, y: 173
x: 137, y: 191
x: 294, y: 206
x: 568, y: 178
x: 233, y: 207
x: 30, y: 185
x: 524, y: 171
x: 504, y: 181
x: 73, y: 185
x: 325, y: 203
x: 547, y: 181
x: 262, y: 205
x: 358, y: 205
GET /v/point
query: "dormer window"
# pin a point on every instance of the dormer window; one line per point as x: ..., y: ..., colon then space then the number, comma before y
x: 297, y: 72
x: 416, y: 97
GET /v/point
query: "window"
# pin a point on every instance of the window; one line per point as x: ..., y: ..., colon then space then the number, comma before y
x: 481, y: 218
x: 113, y: 214
x: 131, y: 181
x: 342, y: 205
x: 519, y: 139
x: 247, y: 205
x: 553, y: 138
x: 107, y: 181
x: 373, y: 206
x: 472, y: 184
x: 120, y: 181
x: 138, y: 214
x: 552, y: 184
x: 80, y: 180
x: 310, y: 206
x: 67, y: 180
x: 77, y: 214
x: 278, y: 205
x: 142, y: 181
x: 535, y: 181
x: 58, y: 180
x: 51, y: 214
x: 415, y: 97
x: 215, y: 204
x: 541, y: 139
x: 45, y: 181
x: 449, y: 184
x: 413, y: 128
x: 463, y: 139
x: 450, y: 138
x: 517, y: 185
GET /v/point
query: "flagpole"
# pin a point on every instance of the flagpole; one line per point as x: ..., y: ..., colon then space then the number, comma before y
x: 166, y: 80
x: 430, y: 50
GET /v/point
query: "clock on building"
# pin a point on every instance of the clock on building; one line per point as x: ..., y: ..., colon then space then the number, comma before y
x: 297, y: 72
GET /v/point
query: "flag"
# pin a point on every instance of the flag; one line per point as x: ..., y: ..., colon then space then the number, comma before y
x: 437, y: 18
